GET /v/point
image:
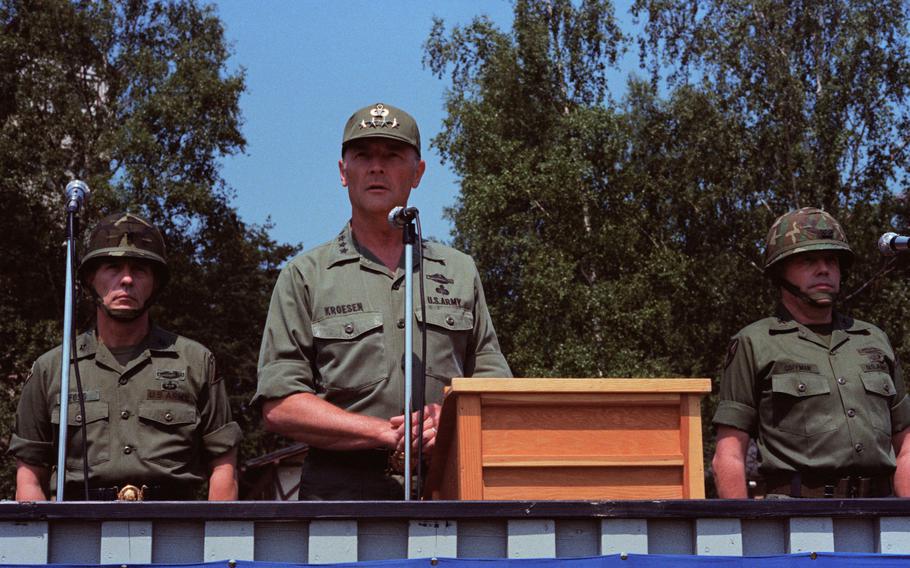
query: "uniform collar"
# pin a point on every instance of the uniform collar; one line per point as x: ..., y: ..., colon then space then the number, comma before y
x: 344, y: 249
x: 87, y: 344
x: 785, y: 322
x: 161, y: 341
x: 842, y: 327
x: 433, y: 251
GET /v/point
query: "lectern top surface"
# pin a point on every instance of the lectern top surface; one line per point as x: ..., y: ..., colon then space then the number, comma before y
x: 582, y: 385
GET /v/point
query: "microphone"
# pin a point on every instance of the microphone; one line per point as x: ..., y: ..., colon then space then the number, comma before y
x: 891, y: 243
x: 399, y: 217
x: 77, y: 193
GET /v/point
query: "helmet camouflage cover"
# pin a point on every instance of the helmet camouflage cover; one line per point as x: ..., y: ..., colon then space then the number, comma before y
x: 807, y: 229
x: 124, y: 235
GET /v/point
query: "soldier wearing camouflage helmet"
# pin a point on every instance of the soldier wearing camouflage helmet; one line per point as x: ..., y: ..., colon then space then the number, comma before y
x: 157, y: 419
x: 331, y: 363
x: 820, y: 392
x: 124, y: 237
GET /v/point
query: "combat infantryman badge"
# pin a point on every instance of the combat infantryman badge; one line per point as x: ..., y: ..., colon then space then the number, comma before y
x: 439, y: 278
x: 168, y: 375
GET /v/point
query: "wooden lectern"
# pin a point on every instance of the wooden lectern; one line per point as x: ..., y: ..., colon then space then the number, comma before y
x: 584, y: 439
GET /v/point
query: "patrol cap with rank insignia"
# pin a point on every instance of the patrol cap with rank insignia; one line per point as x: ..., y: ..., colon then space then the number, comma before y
x: 382, y: 121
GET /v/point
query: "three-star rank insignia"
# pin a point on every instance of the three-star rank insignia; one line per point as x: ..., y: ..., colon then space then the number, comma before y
x: 379, y: 118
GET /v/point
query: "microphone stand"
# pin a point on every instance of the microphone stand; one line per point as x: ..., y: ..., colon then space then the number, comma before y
x: 71, y: 221
x: 420, y: 386
x: 408, y: 237
x: 76, y: 193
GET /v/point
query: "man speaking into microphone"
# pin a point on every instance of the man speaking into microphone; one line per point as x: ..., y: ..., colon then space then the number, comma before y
x: 331, y: 364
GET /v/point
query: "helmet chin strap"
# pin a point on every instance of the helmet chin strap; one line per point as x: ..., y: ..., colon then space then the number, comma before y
x: 122, y: 315
x: 818, y: 299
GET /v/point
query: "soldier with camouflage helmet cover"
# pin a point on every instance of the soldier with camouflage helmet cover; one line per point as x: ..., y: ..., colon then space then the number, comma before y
x: 820, y: 392
x: 331, y: 365
x: 157, y: 419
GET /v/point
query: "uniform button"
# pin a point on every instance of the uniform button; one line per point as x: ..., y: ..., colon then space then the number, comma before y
x: 401, y: 323
x: 450, y: 320
x: 123, y: 380
x: 851, y: 413
x: 841, y: 381
x: 349, y: 328
x: 78, y: 418
x: 858, y: 448
x: 125, y: 414
x: 168, y: 416
x: 887, y: 388
x: 127, y: 450
x: 801, y: 387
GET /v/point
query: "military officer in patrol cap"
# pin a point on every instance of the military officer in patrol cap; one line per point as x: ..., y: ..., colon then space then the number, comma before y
x: 821, y: 392
x: 157, y: 418
x: 331, y: 365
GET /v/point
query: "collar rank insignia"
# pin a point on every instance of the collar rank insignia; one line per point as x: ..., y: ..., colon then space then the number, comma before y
x: 342, y: 243
x: 439, y: 278
x: 379, y: 115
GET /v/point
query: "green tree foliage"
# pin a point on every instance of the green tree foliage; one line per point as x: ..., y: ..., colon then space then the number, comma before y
x: 816, y: 99
x: 133, y: 97
x: 625, y: 238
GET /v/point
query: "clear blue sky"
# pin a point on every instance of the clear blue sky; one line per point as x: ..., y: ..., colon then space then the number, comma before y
x: 309, y: 65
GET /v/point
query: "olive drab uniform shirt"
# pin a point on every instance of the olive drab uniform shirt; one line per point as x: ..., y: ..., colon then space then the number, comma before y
x: 815, y: 406
x: 335, y: 328
x: 159, y: 421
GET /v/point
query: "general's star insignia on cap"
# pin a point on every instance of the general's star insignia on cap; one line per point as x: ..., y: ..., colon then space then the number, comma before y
x: 379, y: 113
x: 381, y: 120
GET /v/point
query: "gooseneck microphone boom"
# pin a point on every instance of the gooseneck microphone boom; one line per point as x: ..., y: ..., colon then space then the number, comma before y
x: 399, y: 217
x: 891, y: 243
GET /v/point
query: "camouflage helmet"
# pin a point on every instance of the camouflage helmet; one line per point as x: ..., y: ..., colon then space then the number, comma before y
x: 807, y: 229
x: 124, y: 235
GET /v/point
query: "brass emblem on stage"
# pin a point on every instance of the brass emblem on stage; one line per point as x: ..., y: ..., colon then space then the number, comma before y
x: 396, y: 462
x: 131, y: 493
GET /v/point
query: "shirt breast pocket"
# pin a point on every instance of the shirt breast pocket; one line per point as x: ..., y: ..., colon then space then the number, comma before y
x: 97, y: 432
x: 801, y: 404
x: 448, y: 333
x: 167, y: 432
x: 350, y: 355
x: 879, y: 389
